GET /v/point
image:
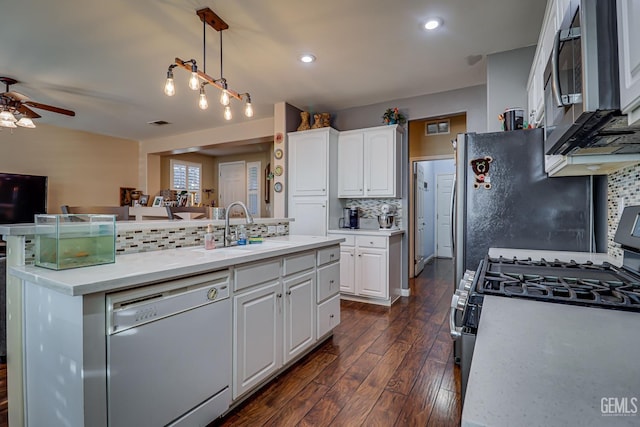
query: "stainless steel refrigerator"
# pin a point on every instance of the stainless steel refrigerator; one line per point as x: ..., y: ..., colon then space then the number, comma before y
x: 504, y: 198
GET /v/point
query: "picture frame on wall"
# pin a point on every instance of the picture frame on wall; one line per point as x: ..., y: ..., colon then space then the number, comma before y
x: 157, y: 201
x: 125, y: 196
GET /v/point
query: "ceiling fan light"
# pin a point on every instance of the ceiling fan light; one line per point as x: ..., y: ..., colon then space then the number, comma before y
x: 7, y: 124
x: 7, y: 116
x: 26, y: 122
x: 227, y: 113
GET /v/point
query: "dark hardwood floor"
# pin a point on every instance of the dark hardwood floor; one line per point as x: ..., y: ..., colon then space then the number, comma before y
x: 382, y: 367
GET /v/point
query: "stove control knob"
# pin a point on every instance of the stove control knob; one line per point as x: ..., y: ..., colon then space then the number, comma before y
x: 462, y: 299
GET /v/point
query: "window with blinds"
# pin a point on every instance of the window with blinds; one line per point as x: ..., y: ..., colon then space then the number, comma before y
x: 186, y: 176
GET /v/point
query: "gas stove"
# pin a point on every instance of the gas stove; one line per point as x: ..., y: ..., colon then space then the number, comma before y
x: 569, y: 282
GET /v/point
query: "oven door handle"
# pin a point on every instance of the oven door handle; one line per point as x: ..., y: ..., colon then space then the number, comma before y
x: 456, y: 331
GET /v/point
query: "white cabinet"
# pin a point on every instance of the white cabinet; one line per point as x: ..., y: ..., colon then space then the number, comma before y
x: 312, y: 187
x: 257, y: 335
x: 369, y: 162
x: 310, y: 214
x: 281, y: 308
x: 351, y: 164
x: 308, y: 158
x: 629, y: 57
x: 371, y: 273
x: 370, y: 267
x: 347, y: 269
x: 299, y: 314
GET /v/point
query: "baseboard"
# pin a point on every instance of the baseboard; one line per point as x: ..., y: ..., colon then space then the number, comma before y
x: 405, y: 292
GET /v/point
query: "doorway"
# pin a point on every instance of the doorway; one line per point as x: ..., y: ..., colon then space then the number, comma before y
x: 432, y: 192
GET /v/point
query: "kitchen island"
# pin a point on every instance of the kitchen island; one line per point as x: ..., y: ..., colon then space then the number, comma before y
x: 542, y: 364
x: 285, y: 301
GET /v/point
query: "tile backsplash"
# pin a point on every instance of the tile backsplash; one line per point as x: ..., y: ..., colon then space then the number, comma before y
x: 623, y: 184
x: 370, y: 208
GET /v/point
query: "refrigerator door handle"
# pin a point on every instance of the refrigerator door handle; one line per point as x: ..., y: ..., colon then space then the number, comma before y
x: 452, y: 205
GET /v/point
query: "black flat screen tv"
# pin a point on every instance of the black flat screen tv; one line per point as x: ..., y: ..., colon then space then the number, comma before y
x: 22, y: 197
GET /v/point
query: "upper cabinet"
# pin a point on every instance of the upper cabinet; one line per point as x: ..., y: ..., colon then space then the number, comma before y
x: 369, y: 162
x: 308, y: 161
x: 629, y: 57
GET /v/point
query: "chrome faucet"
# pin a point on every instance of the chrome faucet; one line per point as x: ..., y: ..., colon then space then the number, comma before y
x: 228, y: 240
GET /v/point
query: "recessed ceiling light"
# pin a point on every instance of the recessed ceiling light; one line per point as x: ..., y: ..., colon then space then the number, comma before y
x: 307, y: 58
x: 433, y: 23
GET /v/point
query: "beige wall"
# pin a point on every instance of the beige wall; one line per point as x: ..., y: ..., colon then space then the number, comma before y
x: 82, y: 168
x: 421, y: 145
x: 209, y: 178
x: 210, y: 171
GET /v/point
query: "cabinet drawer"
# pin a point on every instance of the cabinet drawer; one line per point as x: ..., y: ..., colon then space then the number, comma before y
x: 349, y: 240
x: 328, y: 281
x: 328, y: 255
x: 297, y: 263
x: 328, y: 315
x: 371, y: 242
x: 249, y: 275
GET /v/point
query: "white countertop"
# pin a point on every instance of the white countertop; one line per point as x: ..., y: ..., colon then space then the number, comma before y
x: 367, y: 232
x: 580, y: 257
x: 149, y: 267
x: 546, y: 364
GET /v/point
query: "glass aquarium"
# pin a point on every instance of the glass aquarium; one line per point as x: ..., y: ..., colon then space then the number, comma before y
x: 70, y: 241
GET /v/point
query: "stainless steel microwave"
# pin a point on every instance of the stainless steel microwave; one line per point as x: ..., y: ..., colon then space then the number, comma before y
x: 582, y: 86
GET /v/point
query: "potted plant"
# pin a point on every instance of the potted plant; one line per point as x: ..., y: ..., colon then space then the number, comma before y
x: 393, y: 116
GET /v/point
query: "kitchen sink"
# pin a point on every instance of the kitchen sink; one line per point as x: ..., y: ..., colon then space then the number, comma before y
x: 255, y: 247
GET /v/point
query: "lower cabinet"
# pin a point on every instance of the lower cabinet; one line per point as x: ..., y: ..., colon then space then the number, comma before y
x: 280, y: 309
x: 299, y: 314
x: 370, y: 267
x: 258, y: 335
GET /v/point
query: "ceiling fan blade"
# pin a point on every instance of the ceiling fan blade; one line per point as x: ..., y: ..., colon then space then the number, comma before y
x: 50, y: 108
x: 16, y: 96
x: 28, y: 112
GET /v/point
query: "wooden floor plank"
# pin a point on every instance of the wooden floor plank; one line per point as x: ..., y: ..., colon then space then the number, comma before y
x: 446, y: 410
x: 386, y: 410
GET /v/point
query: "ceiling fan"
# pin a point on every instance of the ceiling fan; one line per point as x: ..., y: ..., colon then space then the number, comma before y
x: 14, y: 104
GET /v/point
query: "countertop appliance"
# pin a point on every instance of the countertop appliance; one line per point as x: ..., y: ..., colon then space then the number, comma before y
x: 387, y: 217
x: 188, y: 382
x: 503, y: 198
x: 582, y: 85
x: 350, y: 218
x: 553, y: 279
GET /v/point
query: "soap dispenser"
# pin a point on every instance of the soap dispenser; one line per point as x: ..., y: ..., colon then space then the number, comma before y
x: 209, y: 238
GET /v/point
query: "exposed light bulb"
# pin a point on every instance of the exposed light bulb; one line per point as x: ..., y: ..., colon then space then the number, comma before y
x: 224, y: 97
x: 26, y: 122
x: 248, y: 109
x: 203, y: 103
x: 169, y: 87
x: 227, y: 113
x: 194, y: 83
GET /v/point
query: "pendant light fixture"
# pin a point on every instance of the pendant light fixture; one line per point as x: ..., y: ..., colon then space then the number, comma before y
x: 199, y: 79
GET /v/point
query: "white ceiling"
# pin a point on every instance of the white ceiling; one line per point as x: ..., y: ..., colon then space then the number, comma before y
x: 107, y: 60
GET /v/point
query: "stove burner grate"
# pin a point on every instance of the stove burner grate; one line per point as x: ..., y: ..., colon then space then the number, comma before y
x: 557, y: 281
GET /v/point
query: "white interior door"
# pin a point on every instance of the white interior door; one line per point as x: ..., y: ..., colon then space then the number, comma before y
x: 232, y: 184
x: 419, y: 218
x: 444, y: 183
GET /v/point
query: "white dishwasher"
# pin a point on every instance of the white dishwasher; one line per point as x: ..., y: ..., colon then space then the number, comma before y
x: 169, y: 352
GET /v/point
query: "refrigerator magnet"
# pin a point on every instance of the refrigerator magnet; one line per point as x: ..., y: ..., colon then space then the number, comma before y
x: 277, y: 171
x: 480, y: 167
x: 278, y: 154
x: 277, y: 187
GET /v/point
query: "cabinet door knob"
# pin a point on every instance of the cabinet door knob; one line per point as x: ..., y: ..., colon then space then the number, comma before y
x: 331, y: 316
x: 288, y: 292
x: 279, y: 295
x: 359, y: 254
x: 331, y: 282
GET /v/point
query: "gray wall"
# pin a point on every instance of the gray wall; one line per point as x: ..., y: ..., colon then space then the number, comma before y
x: 507, y: 75
x: 472, y: 100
